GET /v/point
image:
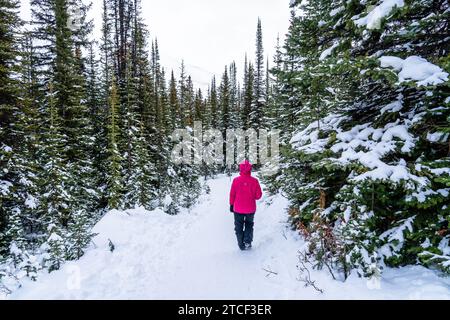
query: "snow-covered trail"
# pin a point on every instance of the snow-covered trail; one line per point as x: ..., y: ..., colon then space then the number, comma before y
x: 195, y: 256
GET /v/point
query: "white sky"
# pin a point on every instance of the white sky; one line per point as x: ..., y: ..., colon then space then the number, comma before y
x: 208, y: 34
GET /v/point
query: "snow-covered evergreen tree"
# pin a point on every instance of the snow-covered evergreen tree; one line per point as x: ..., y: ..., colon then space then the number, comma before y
x: 9, y: 51
x: 366, y: 167
x: 114, y: 178
x: 247, y: 94
x: 259, y: 90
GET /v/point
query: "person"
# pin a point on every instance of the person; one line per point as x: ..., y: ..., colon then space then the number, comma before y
x: 245, y: 191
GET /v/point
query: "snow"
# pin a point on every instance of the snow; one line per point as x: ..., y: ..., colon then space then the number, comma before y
x: 4, y: 187
x: 167, y: 200
x: 437, y: 137
x: 373, y: 19
x: 393, y: 107
x: 367, y: 146
x: 424, y: 194
x: 31, y: 202
x: 444, y: 246
x: 310, y: 134
x: 54, y: 237
x: 336, y: 11
x: 377, y: 143
x: 194, y: 256
x: 415, y: 68
x: 395, y: 63
x: 325, y: 54
x: 13, y: 249
x: 426, y: 244
x: 7, y: 149
x: 397, y: 233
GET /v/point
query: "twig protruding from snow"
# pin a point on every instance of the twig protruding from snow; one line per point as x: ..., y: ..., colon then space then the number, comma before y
x: 306, y: 274
x: 270, y: 272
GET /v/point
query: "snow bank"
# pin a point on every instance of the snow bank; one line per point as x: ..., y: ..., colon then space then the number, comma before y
x: 415, y: 68
x: 374, y: 18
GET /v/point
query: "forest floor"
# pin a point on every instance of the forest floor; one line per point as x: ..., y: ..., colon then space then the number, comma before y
x: 194, y: 255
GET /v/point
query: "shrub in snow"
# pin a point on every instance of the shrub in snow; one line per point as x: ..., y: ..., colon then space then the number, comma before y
x: 182, y: 189
x: 169, y: 206
x: 79, y: 235
x: 56, y: 249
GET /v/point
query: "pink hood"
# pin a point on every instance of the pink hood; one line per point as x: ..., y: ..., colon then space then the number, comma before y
x: 246, y: 168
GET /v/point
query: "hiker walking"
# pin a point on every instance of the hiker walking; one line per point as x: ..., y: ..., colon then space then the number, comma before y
x: 245, y: 191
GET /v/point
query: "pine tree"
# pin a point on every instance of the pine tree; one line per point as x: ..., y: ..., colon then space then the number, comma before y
x: 214, y: 104
x: 165, y: 108
x: 182, y: 91
x: 234, y: 97
x: 114, y: 188
x: 16, y: 235
x: 199, y: 107
x: 225, y: 102
x: 189, y: 102
x: 27, y: 158
x: 248, y: 95
x: 79, y: 235
x: 56, y: 202
x: 275, y: 102
x: 56, y: 248
x: 174, y: 103
x: 9, y: 24
x: 364, y: 161
x: 63, y: 70
x: 259, y: 93
x: 97, y: 106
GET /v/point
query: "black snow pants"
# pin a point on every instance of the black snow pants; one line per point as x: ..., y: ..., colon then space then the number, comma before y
x: 243, y: 226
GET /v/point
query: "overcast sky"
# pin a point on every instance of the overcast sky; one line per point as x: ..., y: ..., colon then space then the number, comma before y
x: 208, y: 34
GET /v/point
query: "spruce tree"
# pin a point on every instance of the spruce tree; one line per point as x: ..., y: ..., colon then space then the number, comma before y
x: 234, y: 97
x: 225, y: 102
x: 365, y: 159
x: 9, y: 24
x: 182, y: 91
x: 259, y: 91
x: 214, y: 104
x: 114, y: 180
x: 97, y: 105
x: 248, y: 95
x: 27, y: 158
x: 174, y: 104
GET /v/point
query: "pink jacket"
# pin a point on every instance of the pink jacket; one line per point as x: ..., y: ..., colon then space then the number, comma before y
x: 245, y: 191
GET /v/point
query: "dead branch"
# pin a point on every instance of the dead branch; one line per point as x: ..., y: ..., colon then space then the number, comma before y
x: 269, y: 272
x: 306, y: 274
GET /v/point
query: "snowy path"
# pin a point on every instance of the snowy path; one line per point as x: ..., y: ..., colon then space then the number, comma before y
x: 195, y: 256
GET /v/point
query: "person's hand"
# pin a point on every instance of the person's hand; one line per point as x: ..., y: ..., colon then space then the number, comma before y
x: 231, y: 208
